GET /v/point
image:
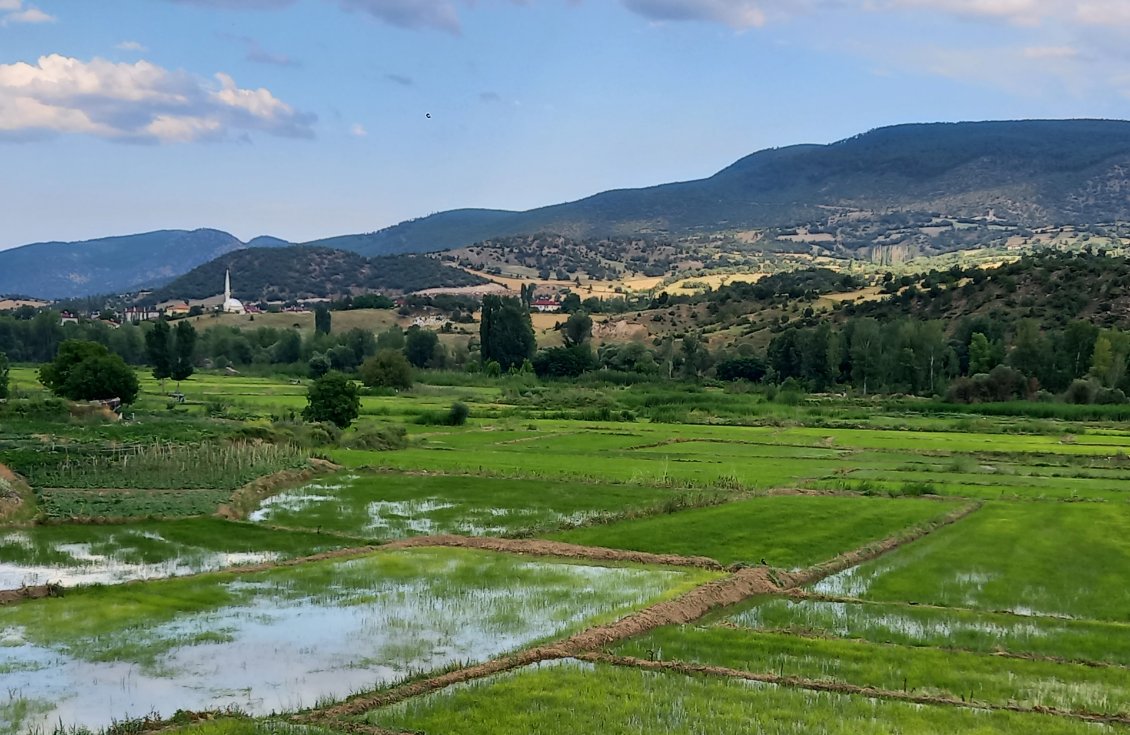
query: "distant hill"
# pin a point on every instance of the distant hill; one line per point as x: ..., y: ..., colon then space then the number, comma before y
x: 58, y: 270
x: 304, y: 272
x: 1030, y: 173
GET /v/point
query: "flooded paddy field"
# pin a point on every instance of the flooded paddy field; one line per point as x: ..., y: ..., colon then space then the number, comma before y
x: 71, y: 555
x: 383, y: 506
x: 283, y: 639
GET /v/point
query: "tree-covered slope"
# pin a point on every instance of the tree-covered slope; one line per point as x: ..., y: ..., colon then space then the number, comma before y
x: 303, y: 272
x: 57, y: 270
x: 1031, y: 172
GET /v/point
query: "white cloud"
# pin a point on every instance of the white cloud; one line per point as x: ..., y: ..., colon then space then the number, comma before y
x: 358, y: 130
x: 136, y: 102
x: 131, y: 46
x: 14, y: 11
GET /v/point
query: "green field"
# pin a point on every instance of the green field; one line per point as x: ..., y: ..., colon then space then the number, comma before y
x: 1054, y: 559
x: 572, y: 698
x: 1020, y: 604
x: 788, y: 532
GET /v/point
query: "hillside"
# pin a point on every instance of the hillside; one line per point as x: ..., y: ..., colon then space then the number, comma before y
x: 58, y: 270
x: 302, y: 272
x: 1027, y: 173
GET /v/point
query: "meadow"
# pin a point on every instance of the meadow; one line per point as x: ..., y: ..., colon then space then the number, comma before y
x: 831, y: 564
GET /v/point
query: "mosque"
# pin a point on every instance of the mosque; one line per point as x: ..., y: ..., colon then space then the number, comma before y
x: 231, y: 306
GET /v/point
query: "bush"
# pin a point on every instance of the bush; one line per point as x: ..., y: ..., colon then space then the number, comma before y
x: 333, y: 398
x: 387, y: 369
x: 564, y: 362
x: 455, y: 416
x: 382, y: 439
x: 3, y: 376
x: 1080, y: 392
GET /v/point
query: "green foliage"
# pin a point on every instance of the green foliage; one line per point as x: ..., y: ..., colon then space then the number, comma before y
x: 159, y: 350
x: 455, y: 416
x: 420, y: 346
x: 322, y: 320
x: 741, y: 368
x: 4, y: 377
x: 577, y: 329
x: 184, y: 346
x: 564, y: 362
x: 506, y: 334
x: 387, y: 369
x: 85, y: 371
x: 333, y: 398
x: 381, y: 439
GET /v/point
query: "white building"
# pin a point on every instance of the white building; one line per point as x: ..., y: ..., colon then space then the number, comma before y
x: 231, y: 306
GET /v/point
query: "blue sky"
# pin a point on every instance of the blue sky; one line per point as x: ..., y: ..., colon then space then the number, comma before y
x: 309, y: 118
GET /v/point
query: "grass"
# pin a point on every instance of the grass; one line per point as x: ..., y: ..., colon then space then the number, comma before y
x: 572, y: 698
x: 1058, y: 559
x: 925, y: 671
x: 786, y: 531
x: 386, y: 506
x: 966, y: 630
x: 213, y: 466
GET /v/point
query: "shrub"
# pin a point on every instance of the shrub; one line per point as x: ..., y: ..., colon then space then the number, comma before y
x: 387, y: 369
x: 1080, y: 392
x: 86, y: 371
x: 333, y: 398
x: 382, y: 439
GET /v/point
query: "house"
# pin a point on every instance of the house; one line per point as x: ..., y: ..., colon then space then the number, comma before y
x: 66, y: 317
x: 137, y: 314
x: 546, y: 305
x: 176, y: 310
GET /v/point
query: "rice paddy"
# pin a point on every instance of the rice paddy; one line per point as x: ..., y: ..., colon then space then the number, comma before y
x: 818, y: 574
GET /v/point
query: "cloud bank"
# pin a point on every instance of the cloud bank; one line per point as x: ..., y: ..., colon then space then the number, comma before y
x: 138, y: 102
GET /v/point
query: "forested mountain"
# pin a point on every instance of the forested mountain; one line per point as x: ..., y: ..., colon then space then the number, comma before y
x: 58, y: 270
x: 1031, y: 173
x: 302, y: 272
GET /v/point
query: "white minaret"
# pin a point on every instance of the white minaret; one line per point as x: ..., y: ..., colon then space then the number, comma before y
x: 227, y: 286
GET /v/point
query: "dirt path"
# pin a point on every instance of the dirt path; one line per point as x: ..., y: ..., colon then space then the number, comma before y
x: 554, y: 548
x: 824, y: 685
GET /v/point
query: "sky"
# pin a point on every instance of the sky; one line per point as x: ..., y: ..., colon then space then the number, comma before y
x: 310, y: 118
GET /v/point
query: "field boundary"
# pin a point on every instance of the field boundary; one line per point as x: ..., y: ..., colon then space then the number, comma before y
x: 875, y: 549
x: 244, y: 499
x: 824, y: 685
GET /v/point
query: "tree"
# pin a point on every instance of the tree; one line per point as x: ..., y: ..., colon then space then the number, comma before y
x: 420, y: 346
x: 322, y: 320
x: 391, y: 339
x: 158, y: 349
x: 577, y: 329
x: 184, y: 345
x: 333, y: 398
x: 387, y: 369
x: 86, y: 371
x: 980, y: 354
x: 506, y: 333
x: 4, y: 381
x: 564, y: 362
x: 741, y: 368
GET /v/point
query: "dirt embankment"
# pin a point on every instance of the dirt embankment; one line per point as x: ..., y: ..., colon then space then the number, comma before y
x: 14, y: 494
x: 247, y: 498
x: 537, y: 547
x: 34, y: 592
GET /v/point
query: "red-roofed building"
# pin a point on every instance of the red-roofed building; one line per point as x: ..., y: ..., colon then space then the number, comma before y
x: 546, y: 305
